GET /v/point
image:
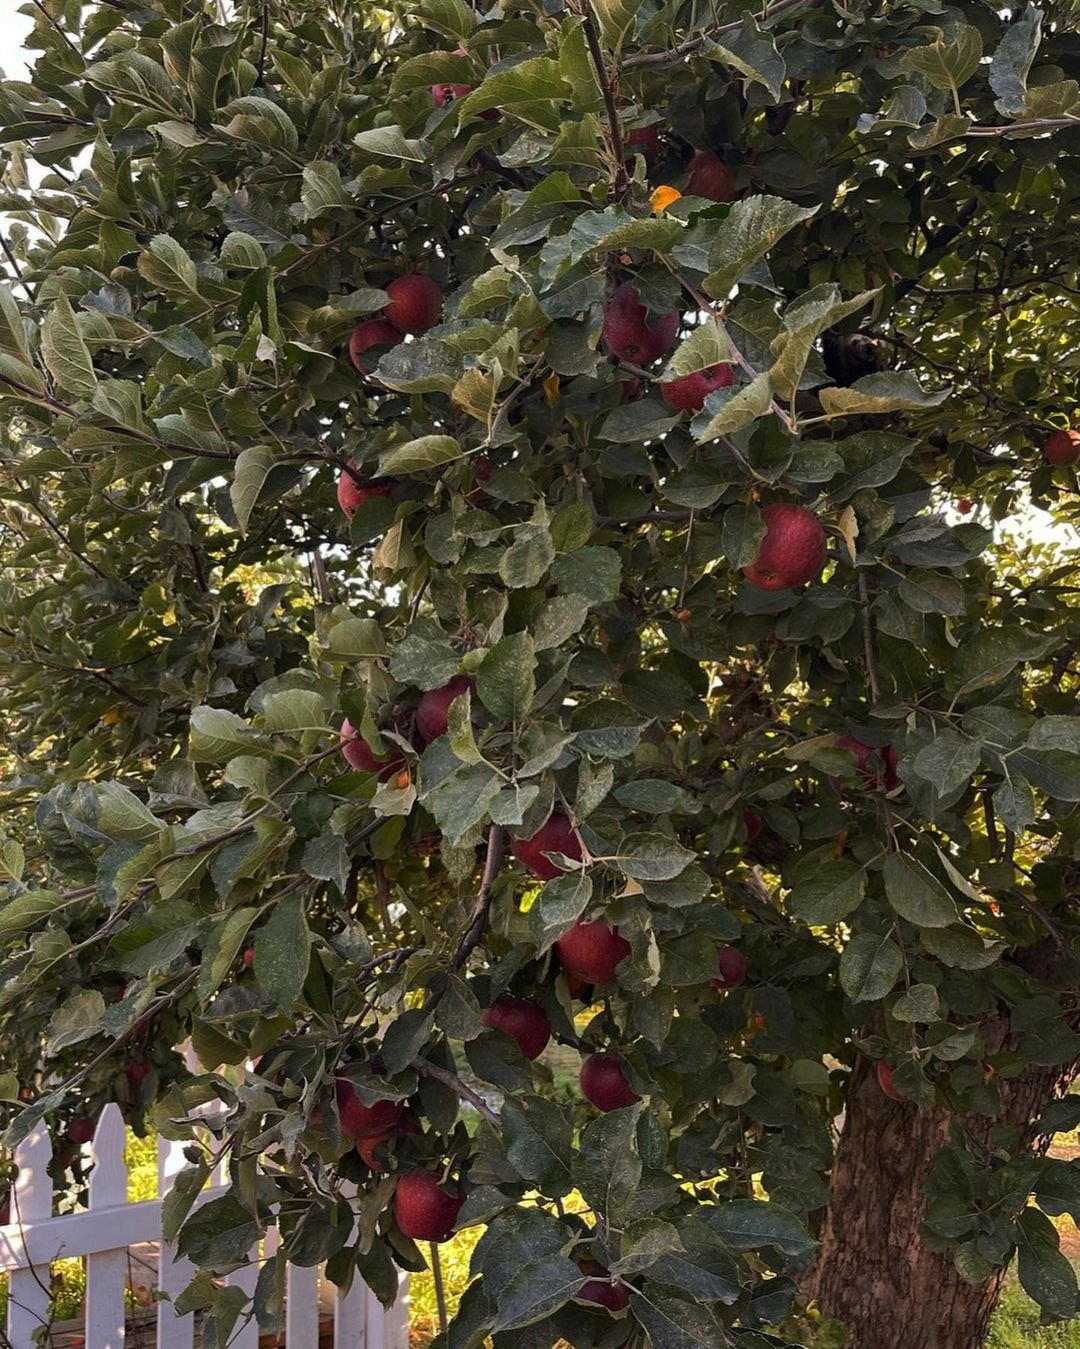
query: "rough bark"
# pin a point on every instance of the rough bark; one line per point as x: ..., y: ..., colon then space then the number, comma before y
x: 874, y: 1273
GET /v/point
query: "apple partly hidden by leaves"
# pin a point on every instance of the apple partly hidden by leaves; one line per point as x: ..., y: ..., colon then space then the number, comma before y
x: 885, y: 1080
x: 523, y: 1020
x: 81, y: 1129
x: 442, y: 95
x: 733, y: 967
x: 359, y: 754
x: 628, y: 332
x: 367, y: 1147
x: 752, y: 823
x: 365, y: 1121
x: 793, y: 550
x: 1062, y: 448
x: 556, y: 834
x: 352, y: 493
x: 646, y: 141
x: 592, y: 951
x: 604, y: 1084
x: 415, y: 303
x: 688, y: 394
x: 424, y: 1209
x: 376, y: 332
x: 433, y: 709
x: 710, y: 178
x: 248, y: 957
x: 603, y: 1287
x: 864, y: 754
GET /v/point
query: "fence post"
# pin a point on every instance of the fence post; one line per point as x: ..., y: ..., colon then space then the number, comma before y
x: 106, y: 1271
x: 174, y: 1274
x: 28, y: 1289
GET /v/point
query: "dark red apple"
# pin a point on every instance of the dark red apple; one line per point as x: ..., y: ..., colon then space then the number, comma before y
x: 885, y: 1082
x: 964, y: 506
x: 136, y: 1072
x: 863, y: 754
x: 711, y: 178
x: 367, y: 1147
x: 793, y: 550
x: 353, y: 493
x: 646, y: 140
x: 604, y: 1084
x: 482, y: 468
x: 733, y: 967
x: 433, y: 709
x: 689, y: 393
x: 81, y: 1129
x: 364, y: 1121
x: 752, y: 823
x: 605, y: 1288
x: 415, y: 303
x: 556, y: 834
x: 592, y: 951
x: 1062, y: 448
x: 627, y: 330
x: 424, y: 1209
x: 371, y: 333
x: 363, y: 758
x: 523, y: 1020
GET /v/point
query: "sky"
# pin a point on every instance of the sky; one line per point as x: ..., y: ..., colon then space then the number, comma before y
x: 13, y: 30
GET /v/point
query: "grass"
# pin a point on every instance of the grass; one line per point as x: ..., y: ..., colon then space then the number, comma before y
x: 1016, y: 1325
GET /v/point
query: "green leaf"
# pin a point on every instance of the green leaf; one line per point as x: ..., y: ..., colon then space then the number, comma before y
x: 753, y: 226
x: 538, y: 1135
x: 961, y: 947
x: 530, y: 91
x: 948, y: 761
x: 615, y: 18
x: 216, y: 735
x: 916, y: 894
x: 919, y: 1004
x: 676, y: 1323
x: 805, y: 319
x: 741, y: 533
x: 505, y: 680
x: 219, y: 1235
x: 752, y: 53
x: 283, y: 951
x: 122, y: 815
x: 64, y: 352
x: 463, y: 801
x: 654, y: 796
x: 593, y: 572
x: 78, y: 1018
x: 607, y: 1168
x: 559, y: 905
x: 741, y: 406
x: 322, y: 188
x: 558, y: 621
x: 752, y: 1225
x: 833, y: 891
x: 1013, y: 59
x: 950, y: 60
x: 420, y: 455
x: 293, y: 710
x: 525, y: 563
x: 252, y: 468
x: 890, y: 391
x: 650, y: 857
x: 1045, y: 1273
x: 167, y: 266
x: 870, y: 966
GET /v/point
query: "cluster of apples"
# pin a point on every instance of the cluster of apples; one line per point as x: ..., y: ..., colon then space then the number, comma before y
x: 431, y: 720
x: 414, y: 306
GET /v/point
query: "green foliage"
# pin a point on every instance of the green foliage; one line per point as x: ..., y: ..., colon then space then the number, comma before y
x: 204, y: 213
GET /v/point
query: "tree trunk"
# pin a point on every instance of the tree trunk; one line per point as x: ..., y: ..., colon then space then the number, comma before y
x: 874, y: 1274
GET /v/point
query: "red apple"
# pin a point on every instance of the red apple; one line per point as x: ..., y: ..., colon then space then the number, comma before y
x: 442, y: 95
x: 689, y: 393
x: 733, y: 967
x: 483, y: 469
x: 752, y: 823
x: 364, y: 1121
x: 646, y: 140
x: 1062, y: 448
x: 605, y: 1288
x: 711, y: 178
x: 362, y: 757
x: 367, y: 1147
x: 415, y: 303
x: 793, y: 550
x: 371, y: 333
x: 424, y: 1209
x: 863, y: 753
x: 627, y: 330
x: 592, y: 951
x: 604, y: 1084
x: 249, y: 957
x: 523, y: 1020
x: 352, y: 493
x: 136, y: 1072
x: 433, y: 709
x: 556, y: 834
x: 81, y: 1129
x: 964, y: 506
x: 885, y: 1082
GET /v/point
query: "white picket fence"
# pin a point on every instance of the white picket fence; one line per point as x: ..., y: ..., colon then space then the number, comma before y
x: 103, y: 1235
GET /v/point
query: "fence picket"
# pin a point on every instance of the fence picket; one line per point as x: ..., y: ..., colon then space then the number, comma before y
x: 350, y: 1317
x: 174, y: 1273
x: 28, y: 1289
x: 302, y: 1308
x: 106, y: 1271
x: 247, y: 1336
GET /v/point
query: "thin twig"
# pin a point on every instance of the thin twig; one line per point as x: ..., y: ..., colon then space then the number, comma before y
x: 693, y: 44
x: 428, y: 1069
x: 17, y: 269
x: 592, y: 39
x: 478, y: 922
x: 868, y: 640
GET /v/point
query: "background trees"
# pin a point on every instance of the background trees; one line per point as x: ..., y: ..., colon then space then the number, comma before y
x: 422, y: 260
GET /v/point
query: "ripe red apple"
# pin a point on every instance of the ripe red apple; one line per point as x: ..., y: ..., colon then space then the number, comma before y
x: 592, y: 951
x: 433, y: 709
x: 1062, y: 448
x: 556, y: 834
x: 371, y: 333
x: 752, y: 823
x: 964, y: 506
x: 415, y: 303
x: 442, y: 95
x: 523, y: 1020
x: 579, y: 987
x: 733, y: 967
x: 367, y: 1147
x: 364, y: 1121
x: 425, y: 1210
x: 646, y: 140
x: 483, y: 468
x: 605, y: 1288
x: 136, y: 1072
x: 863, y: 753
x: 885, y: 1082
x: 604, y: 1084
x: 81, y: 1129
x: 711, y: 178
x: 249, y: 957
x: 793, y: 550
x: 631, y: 390
x: 627, y: 330
x: 362, y: 757
x: 352, y: 494
x: 688, y: 394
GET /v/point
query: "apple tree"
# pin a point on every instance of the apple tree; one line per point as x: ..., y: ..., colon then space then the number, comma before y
x: 550, y: 526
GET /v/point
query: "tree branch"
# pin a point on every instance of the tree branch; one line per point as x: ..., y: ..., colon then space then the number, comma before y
x: 448, y: 1079
x: 693, y: 44
x: 471, y: 938
x: 592, y: 38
